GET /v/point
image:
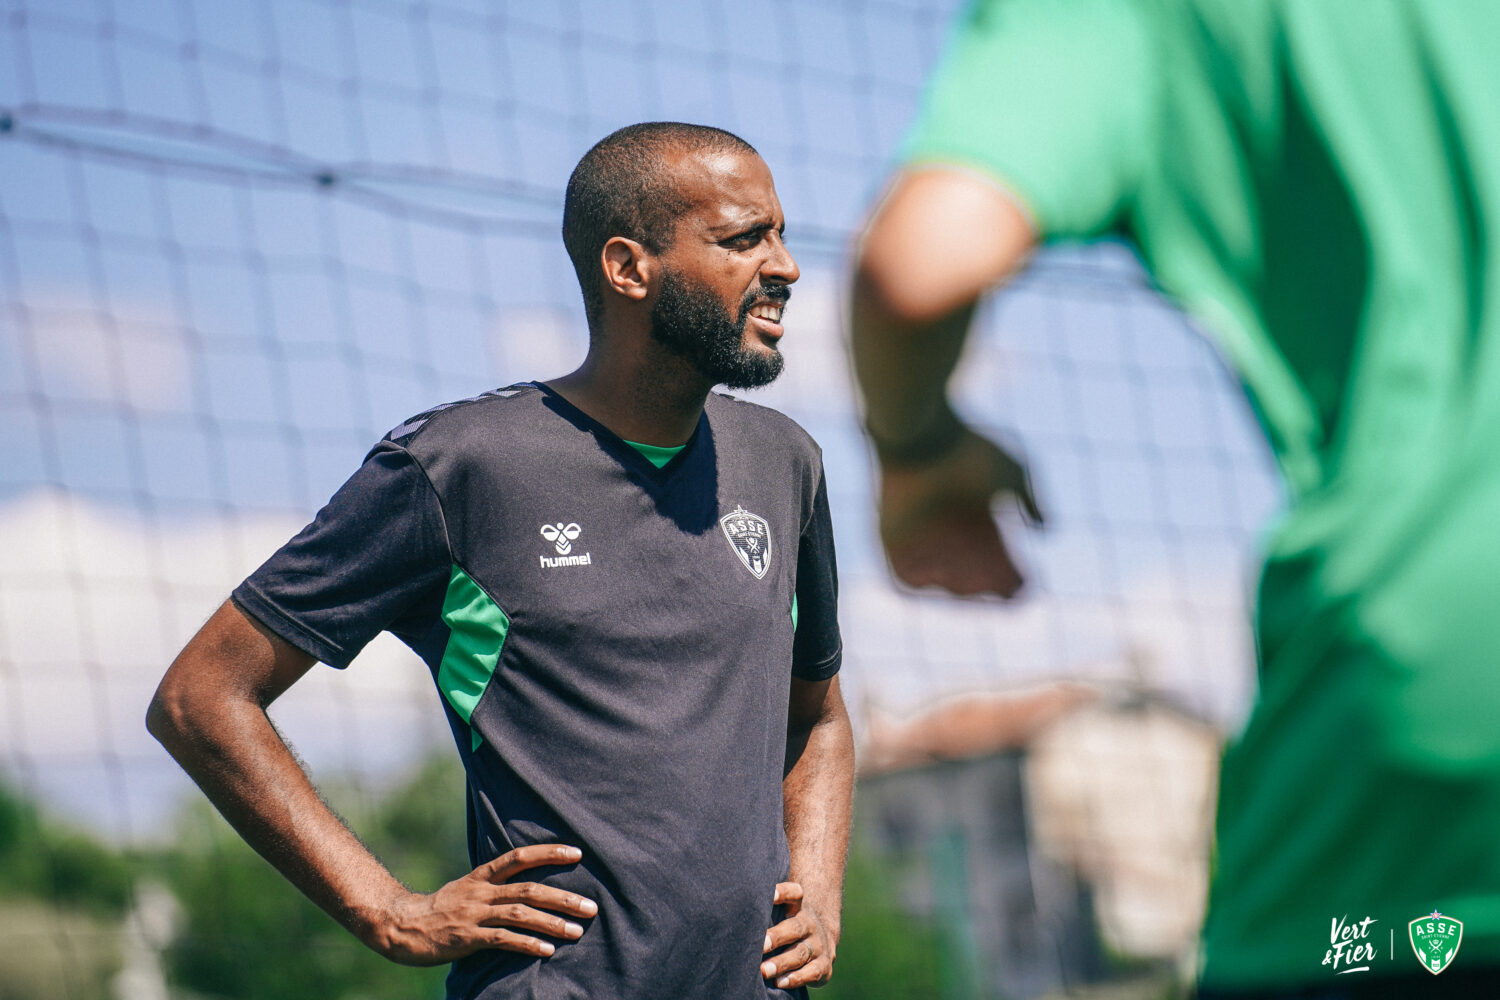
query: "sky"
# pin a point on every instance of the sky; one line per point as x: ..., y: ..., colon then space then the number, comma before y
x: 239, y: 242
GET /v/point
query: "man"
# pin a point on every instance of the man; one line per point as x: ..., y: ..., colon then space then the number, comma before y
x: 624, y: 587
x: 1319, y: 183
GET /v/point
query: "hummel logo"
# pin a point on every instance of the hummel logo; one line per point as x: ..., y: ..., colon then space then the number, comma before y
x: 561, y: 536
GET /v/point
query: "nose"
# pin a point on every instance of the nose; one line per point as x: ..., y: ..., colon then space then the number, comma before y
x: 780, y: 266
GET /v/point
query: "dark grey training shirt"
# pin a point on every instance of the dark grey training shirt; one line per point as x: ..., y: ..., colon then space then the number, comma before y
x: 614, y: 644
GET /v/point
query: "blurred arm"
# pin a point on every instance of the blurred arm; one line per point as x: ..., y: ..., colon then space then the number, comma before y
x: 210, y: 713
x: 939, y: 239
x: 817, y: 794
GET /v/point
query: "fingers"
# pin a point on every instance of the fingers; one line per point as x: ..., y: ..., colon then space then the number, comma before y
x: 960, y: 550
x: 484, y: 910
x: 788, y: 931
x: 519, y: 922
x: 788, y: 894
x: 512, y: 863
x: 937, y: 521
x: 802, y: 954
x: 506, y: 940
x: 546, y: 897
x: 518, y: 910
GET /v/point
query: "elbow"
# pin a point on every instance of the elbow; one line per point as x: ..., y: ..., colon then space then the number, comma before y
x: 169, y: 716
x: 163, y: 715
x: 938, y: 242
x: 891, y: 289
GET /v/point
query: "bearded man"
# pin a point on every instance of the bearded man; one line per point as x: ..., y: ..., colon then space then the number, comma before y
x: 623, y: 585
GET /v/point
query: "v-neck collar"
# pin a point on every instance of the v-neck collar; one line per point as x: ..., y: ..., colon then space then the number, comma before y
x: 622, y: 449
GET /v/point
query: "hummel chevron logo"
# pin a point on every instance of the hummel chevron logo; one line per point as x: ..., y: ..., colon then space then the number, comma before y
x: 562, y: 536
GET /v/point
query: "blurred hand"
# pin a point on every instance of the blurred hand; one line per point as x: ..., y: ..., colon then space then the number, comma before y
x: 484, y: 909
x: 936, y: 522
x: 805, y: 947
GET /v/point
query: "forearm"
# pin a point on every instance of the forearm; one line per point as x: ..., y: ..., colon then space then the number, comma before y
x: 938, y: 240
x: 254, y: 780
x: 902, y: 366
x: 818, y: 794
x: 209, y: 713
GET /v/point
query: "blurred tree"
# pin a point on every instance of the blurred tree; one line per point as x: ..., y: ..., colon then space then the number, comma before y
x: 62, y: 897
x: 41, y: 859
x: 247, y: 933
x: 883, y: 951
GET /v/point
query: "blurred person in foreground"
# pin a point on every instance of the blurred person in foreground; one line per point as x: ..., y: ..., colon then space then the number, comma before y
x: 623, y: 584
x: 1318, y: 182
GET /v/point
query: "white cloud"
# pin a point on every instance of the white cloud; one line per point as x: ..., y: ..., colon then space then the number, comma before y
x: 95, y: 602
x: 135, y: 354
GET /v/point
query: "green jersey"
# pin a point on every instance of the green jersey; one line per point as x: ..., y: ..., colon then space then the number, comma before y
x: 1317, y: 181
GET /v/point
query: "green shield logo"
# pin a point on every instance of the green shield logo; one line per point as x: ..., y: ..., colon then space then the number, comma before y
x: 1435, y: 938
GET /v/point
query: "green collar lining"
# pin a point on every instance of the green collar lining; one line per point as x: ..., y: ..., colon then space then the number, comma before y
x: 655, y: 453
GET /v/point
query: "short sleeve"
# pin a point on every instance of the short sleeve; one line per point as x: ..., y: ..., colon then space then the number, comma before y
x: 817, y: 649
x: 1052, y: 99
x: 371, y: 560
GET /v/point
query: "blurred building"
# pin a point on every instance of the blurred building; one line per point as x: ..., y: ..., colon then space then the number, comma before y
x: 1055, y: 836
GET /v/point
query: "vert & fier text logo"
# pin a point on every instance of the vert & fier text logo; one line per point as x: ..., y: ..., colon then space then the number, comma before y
x: 1349, y: 946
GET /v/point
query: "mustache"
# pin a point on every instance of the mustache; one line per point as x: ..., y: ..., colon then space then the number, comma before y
x: 778, y: 294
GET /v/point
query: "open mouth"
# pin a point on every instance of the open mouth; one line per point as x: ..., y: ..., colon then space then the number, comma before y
x: 768, y: 311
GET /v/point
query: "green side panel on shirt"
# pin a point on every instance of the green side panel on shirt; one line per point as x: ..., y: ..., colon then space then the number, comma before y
x: 477, y: 629
x: 794, y: 612
x: 656, y: 454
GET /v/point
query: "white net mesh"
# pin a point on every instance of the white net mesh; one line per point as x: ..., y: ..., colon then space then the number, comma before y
x: 238, y: 242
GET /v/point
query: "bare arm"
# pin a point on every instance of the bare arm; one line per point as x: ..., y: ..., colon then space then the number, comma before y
x: 210, y: 713
x: 817, y: 794
x: 939, y: 239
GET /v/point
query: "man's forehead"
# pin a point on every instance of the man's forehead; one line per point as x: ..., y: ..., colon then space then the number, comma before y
x: 726, y: 187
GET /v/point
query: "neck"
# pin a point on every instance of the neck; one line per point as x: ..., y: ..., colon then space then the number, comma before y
x: 650, y: 396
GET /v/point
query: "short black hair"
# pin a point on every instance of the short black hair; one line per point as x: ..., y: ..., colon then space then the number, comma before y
x: 620, y: 188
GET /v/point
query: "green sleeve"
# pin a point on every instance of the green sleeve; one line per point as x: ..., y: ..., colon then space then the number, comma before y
x: 1052, y: 99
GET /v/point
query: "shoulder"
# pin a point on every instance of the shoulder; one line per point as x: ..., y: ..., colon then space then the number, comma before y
x: 772, y: 428
x: 454, y: 425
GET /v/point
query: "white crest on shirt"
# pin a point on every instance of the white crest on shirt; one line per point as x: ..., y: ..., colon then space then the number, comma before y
x: 749, y: 537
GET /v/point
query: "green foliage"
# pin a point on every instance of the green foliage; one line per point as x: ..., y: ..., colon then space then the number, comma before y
x: 246, y: 932
x: 40, y: 859
x: 62, y: 894
x: 883, y: 952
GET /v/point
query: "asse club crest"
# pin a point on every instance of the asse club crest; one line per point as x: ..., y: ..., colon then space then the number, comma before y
x: 750, y: 537
x: 1435, y: 938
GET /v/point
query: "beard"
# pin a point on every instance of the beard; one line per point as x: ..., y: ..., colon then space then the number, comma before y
x: 691, y: 322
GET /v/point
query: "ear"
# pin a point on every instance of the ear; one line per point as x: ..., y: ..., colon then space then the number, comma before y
x: 628, y: 267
